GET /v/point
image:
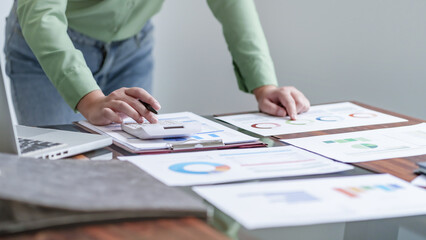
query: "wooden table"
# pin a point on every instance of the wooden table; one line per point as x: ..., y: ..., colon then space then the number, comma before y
x: 192, y: 228
x: 154, y: 229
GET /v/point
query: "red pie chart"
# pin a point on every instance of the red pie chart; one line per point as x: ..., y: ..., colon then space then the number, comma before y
x: 265, y: 125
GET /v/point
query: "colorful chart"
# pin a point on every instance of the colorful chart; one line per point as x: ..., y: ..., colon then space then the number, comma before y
x: 283, y: 197
x: 354, y: 192
x: 329, y: 118
x: 363, y: 115
x: 365, y: 146
x: 199, y: 167
x: 290, y: 197
x: 299, y: 122
x: 265, y: 125
x: 346, y: 140
x: 175, y: 139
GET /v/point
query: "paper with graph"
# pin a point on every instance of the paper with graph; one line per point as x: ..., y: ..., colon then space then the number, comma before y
x: 196, y: 168
x: 316, y: 201
x: 367, y: 145
x: 320, y: 117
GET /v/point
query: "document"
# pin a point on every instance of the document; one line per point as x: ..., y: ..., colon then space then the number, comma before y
x: 316, y: 201
x: 420, y: 181
x: 367, y: 145
x: 210, y: 131
x: 320, y: 117
x: 196, y: 168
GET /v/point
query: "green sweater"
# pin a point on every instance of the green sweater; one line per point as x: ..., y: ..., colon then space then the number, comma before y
x: 44, y: 25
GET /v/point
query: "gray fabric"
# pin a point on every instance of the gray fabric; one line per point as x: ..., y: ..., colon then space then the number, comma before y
x: 36, y: 193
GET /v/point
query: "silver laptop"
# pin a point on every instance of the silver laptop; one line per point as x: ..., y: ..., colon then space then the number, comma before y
x: 40, y: 142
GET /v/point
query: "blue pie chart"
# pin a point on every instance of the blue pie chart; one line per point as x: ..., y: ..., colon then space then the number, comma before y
x: 329, y: 118
x: 199, y: 167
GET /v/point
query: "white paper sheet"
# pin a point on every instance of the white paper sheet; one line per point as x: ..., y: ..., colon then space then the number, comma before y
x: 320, y: 117
x: 420, y: 181
x: 210, y: 130
x: 185, y: 169
x: 367, y: 145
x: 316, y: 201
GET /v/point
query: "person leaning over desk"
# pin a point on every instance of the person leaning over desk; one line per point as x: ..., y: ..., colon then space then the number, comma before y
x: 91, y: 48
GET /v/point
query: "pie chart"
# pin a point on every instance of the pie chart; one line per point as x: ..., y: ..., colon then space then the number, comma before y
x: 329, y: 118
x: 199, y: 167
x: 265, y: 125
x: 362, y: 115
x: 299, y: 122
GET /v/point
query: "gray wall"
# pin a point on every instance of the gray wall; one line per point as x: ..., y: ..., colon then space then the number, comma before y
x: 5, y: 6
x: 373, y: 51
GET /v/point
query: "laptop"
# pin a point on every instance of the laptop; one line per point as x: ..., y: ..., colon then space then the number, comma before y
x: 41, y: 142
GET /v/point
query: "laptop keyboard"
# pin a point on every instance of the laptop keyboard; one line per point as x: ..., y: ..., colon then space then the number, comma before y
x: 30, y: 145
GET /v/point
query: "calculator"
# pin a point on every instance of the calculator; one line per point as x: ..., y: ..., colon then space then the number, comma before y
x: 162, y: 129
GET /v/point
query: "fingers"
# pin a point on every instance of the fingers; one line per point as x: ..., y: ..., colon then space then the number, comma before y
x: 126, y: 101
x: 302, y: 103
x: 134, y: 94
x: 141, y: 109
x: 144, y: 96
x: 109, y: 114
x: 271, y: 108
x: 150, y: 117
x: 119, y: 106
x: 286, y: 99
x: 282, y: 101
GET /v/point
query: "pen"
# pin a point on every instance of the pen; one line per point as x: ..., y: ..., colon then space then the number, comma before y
x: 149, y: 107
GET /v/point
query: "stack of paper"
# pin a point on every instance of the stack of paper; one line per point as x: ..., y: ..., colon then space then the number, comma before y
x: 316, y: 201
x: 295, y: 202
x: 321, y: 117
x: 210, y: 130
x: 420, y: 181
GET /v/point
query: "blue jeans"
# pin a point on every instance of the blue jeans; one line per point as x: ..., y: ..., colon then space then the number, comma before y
x: 127, y: 63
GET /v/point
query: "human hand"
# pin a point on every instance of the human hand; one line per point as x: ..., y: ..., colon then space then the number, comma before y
x: 99, y: 109
x: 281, y: 101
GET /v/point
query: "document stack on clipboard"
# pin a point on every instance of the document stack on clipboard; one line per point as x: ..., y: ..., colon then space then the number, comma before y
x: 212, y: 136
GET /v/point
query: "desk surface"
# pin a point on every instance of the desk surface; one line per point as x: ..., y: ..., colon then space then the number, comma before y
x: 191, y: 228
x: 176, y: 229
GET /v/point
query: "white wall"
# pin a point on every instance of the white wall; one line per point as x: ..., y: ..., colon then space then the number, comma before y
x: 5, y: 6
x: 193, y: 66
x: 372, y: 51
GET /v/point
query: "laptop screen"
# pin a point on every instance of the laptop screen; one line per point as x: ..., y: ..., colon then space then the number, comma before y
x: 8, y: 139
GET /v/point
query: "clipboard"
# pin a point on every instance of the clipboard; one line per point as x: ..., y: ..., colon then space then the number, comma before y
x: 195, y: 143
